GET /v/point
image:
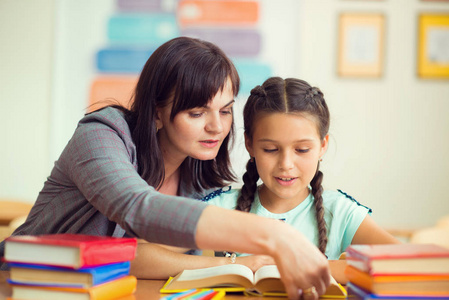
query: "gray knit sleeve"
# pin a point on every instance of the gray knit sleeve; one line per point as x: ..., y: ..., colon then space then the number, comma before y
x: 100, y: 159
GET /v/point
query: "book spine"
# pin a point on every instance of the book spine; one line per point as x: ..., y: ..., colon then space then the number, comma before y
x: 105, y: 253
x: 110, y: 272
x: 361, y: 279
x: 114, y: 289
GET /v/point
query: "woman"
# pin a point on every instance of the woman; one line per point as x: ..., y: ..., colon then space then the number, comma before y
x: 133, y: 171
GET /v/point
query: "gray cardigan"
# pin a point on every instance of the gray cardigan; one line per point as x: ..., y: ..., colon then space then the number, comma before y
x: 94, y: 188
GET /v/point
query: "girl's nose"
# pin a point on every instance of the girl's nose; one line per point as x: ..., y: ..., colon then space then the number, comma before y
x: 286, y: 161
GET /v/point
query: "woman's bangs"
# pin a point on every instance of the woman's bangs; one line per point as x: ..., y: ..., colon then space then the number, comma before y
x: 197, y: 91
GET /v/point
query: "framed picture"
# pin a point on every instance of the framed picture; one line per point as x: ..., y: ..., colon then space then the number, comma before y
x: 361, y: 45
x: 433, y: 46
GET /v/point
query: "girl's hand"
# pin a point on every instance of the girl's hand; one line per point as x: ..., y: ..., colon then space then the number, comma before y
x: 338, y: 270
x: 254, y: 262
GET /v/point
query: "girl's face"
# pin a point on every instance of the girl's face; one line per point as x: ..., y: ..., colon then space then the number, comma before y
x: 286, y: 148
x: 197, y: 132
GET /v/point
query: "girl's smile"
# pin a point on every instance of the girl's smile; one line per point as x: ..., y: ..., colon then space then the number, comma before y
x: 286, y: 181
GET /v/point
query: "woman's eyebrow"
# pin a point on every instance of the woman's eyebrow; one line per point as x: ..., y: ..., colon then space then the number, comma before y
x: 229, y: 103
x: 226, y: 105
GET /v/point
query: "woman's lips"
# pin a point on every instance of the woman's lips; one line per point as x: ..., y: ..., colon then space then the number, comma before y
x: 209, y: 143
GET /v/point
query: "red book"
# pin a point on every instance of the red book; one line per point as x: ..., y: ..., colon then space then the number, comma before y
x: 69, y: 250
x: 399, y: 259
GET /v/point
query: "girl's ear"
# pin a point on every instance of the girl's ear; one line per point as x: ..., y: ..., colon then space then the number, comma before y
x: 159, y: 123
x: 249, y: 146
x: 324, y: 145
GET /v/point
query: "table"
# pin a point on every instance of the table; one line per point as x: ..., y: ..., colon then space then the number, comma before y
x: 146, y: 289
x: 9, y: 210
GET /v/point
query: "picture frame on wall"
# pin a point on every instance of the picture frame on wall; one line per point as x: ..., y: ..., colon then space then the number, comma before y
x: 361, y: 40
x: 433, y: 45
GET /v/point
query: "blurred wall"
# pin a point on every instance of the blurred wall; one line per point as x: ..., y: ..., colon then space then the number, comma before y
x: 388, y: 135
x: 26, y: 49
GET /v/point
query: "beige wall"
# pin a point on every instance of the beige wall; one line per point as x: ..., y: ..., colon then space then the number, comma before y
x: 388, y: 136
x: 26, y: 46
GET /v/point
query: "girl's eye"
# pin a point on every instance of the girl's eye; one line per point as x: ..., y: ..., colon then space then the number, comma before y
x: 302, y: 150
x: 269, y: 150
x: 226, y: 112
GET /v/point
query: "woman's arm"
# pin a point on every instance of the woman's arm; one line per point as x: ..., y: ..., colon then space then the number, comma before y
x: 300, y: 263
x: 100, y: 164
x: 371, y: 233
x: 155, y: 261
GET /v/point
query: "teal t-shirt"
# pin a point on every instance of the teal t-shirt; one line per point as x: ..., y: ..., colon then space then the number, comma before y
x: 342, y: 213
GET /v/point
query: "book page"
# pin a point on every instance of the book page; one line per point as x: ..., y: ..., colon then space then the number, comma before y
x: 270, y: 271
x: 336, y: 289
x: 267, y: 279
x: 31, y: 253
x: 244, y: 271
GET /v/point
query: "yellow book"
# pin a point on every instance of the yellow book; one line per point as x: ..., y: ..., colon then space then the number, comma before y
x: 265, y: 281
x: 110, y: 290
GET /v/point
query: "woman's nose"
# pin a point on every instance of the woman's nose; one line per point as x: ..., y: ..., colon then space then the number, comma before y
x: 214, y: 123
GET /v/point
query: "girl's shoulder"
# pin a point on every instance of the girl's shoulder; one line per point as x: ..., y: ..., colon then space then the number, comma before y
x: 225, y: 197
x: 335, y: 199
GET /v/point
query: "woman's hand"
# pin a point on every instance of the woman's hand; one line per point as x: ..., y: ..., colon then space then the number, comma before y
x: 304, y: 269
x: 254, y: 262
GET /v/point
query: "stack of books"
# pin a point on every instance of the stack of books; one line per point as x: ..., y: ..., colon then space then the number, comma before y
x: 398, y: 271
x: 70, y: 266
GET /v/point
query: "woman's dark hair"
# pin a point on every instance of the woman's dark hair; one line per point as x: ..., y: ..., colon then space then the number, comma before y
x: 289, y: 96
x: 188, y: 73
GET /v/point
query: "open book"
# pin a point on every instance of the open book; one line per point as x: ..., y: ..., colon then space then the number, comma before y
x: 238, y: 278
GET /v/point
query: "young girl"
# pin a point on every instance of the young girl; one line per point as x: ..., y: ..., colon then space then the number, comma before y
x: 136, y: 171
x: 286, y: 126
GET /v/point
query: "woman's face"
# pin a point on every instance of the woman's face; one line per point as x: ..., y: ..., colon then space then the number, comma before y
x: 197, y: 132
x: 286, y: 148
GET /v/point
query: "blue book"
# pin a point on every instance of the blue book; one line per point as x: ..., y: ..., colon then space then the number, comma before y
x: 357, y: 293
x: 42, y: 275
x: 142, y: 29
x: 122, y: 59
x: 252, y: 73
